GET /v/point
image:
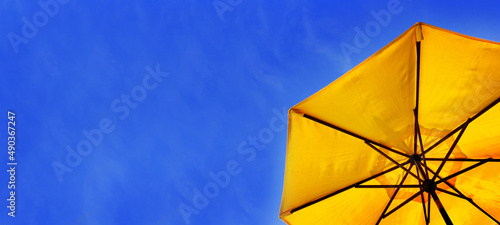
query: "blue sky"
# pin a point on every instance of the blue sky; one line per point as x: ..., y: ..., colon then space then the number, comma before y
x: 157, y: 98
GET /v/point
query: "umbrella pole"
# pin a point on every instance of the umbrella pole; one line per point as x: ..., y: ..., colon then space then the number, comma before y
x: 443, y: 212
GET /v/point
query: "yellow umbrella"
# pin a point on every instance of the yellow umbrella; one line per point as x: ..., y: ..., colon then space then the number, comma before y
x: 417, y: 122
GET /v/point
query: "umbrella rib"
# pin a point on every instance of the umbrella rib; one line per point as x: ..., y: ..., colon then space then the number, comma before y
x: 419, y: 167
x: 392, y: 160
x: 451, y: 150
x: 464, y: 160
x: 427, y: 218
x: 344, y: 189
x: 462, y: 171
x: 468, y: 121
x: 486, y: 109
x: 393, y: 196
x: 422, y: 150
x: 417, y: 96
x: 451, y: 193
x: 403, y: 203
x: 421, y: 189
x: 390, y: 186
x: 352, y: 134
x: 415, y: 113
x: 428, y: 208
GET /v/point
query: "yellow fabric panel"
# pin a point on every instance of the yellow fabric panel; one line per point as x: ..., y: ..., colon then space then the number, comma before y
x: 481, y: 139
x: 482, y: 185
x: 321, y: 160
x: 460, y: 76
x: 376, y: 98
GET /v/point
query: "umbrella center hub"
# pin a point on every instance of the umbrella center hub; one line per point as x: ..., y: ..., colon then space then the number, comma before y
x: 429, y: 186
x: 415, y: 158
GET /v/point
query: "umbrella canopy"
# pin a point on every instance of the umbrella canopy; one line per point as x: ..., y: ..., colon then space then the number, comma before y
x: 409, y: 136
